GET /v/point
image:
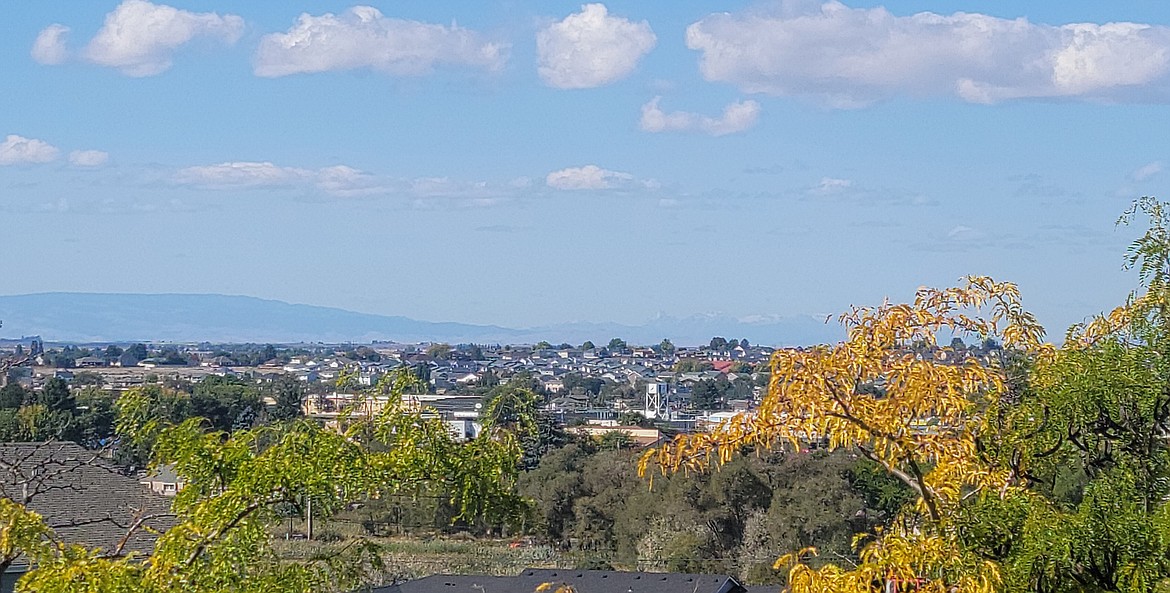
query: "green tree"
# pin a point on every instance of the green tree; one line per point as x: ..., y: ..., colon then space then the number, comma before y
x: 138, y: 351
x: 489, y: 379
x: 741, y: 367
x: 422, y: 375
x: 440, y: 351
x: 56, y: 396
x: 88, y: 378
x: 235, y: 486
x: 513, y: 409
x: 171, y: 356
x: 709, y: 394
x: 718, y: 343
x: 222, y: 400
x: 12, y: 396
x: 288, y: 393
x: 93, y: 422
x: 1082, y: 440
x: 819, y: 499
x: 666, y: 347
x: 633, y: 419
x: 588, y: 345
x: 615, y: 440
x: 162, y: 405
x: 555, y: 485
x: 617, y: 345
x: 589, y: 385
x: 736, y: 520
x: 690, y: 365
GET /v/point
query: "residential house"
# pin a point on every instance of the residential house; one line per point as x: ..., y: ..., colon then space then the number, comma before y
x: 82, y: 497
x: 218, y: 361
x: 86, y: 362
x: 163, y: 481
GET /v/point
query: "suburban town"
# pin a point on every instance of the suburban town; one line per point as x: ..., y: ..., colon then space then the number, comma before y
x: 678, y: 389
x: 612, y: 388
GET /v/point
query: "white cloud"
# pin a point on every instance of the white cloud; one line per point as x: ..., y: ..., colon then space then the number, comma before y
x: 850, y: 57
x: 242, y: 175
x: 336, y: 180
x: 140, y: 38
x: 343, y: 181
x: 49, y: 47
x: 347, y: 182
x: 340, y: 181
x: 18, y: 150
x: 736, y: 117
x: 831, y: 185
x: 587, y: 177
x: 964, y: 233
x: 362, y: 37
x: 88, y: 158
x: 1146, y: 171
x: 591, y: 48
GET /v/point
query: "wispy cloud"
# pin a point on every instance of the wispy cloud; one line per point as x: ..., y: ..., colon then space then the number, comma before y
x: 1146, y: 171
x: 965, y: 233
x: 88, y: 158
x: 339, y: 181
x: 503, y: 228
x: 967, y: 238
x: 828, y: 186
x: 49, y: 47
x: 242, y: 174
x: 592, y: 177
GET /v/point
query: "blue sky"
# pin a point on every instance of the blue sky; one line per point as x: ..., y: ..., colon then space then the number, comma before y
x: 524, y: 163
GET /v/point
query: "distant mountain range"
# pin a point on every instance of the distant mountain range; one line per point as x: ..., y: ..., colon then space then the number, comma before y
x: 97, y: 317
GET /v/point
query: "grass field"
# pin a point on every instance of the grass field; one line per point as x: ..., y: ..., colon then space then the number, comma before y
x: 410, y: 557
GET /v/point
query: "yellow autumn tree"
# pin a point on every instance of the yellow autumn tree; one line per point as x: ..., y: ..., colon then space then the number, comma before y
x: 889, y: 392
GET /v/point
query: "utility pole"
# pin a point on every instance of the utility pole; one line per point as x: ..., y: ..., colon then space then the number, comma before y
x: 309, y: 517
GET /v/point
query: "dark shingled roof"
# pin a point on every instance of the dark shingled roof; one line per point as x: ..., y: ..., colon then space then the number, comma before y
x: 582, y: 581
x: 84, y: 498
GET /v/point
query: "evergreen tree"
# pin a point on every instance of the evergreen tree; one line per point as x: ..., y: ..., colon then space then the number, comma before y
x: 12, y: 396
x: 56, y: 396
x: 289, y: 394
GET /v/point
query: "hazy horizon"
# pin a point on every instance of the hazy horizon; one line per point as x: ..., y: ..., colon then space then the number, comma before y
x: 94, y: 317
